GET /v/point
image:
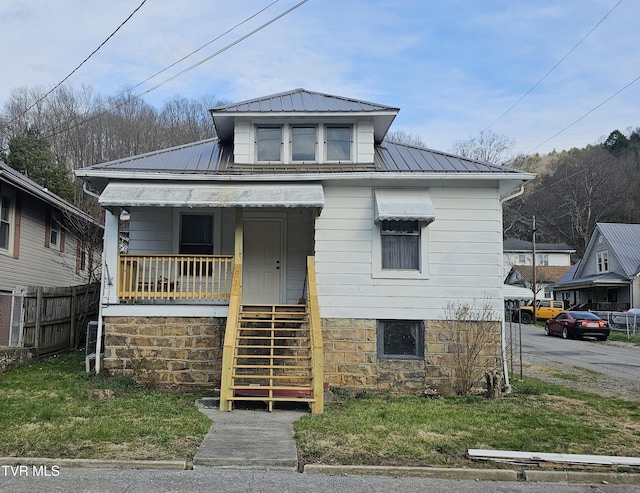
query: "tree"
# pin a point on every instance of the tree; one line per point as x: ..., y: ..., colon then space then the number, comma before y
x: 402, y: 137
x: 616, y: 143
x: 31, y: 154
x: 487, y: 146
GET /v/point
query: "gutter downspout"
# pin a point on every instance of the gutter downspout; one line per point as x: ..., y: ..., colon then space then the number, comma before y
x: 503, y: 335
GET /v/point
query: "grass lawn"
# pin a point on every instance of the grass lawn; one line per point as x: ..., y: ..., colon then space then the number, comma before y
x: 622, y: 337
x: 45, y: 411
x: 420, y: 431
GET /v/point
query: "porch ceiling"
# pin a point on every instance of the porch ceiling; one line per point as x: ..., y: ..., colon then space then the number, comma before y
x: 144, y: 194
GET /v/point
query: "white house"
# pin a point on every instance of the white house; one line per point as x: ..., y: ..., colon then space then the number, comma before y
x: 301, y: 227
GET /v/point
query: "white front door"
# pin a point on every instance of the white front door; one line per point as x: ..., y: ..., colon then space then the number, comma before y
x: 262, y: 262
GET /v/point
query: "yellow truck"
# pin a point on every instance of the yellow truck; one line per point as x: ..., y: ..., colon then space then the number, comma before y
x: 545, y: 309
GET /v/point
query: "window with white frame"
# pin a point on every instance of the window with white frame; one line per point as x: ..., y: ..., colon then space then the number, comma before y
x: 543, y: 259
x: 400, y: 244
x: 602, y: 262
x: 400, y: 339
x: 7, y: 221
x: 522, y: 259
x: 338, y: 143
x: 81, y: 259
x: 304, y: 142
x: 269, y: 143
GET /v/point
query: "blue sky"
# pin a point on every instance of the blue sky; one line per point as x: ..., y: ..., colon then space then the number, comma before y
x: 452, y: 67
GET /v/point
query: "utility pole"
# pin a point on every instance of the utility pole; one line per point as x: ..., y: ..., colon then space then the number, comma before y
x: 533, y: 264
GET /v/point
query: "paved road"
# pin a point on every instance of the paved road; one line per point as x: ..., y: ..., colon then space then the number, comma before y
x: 611, y: 368
x: 213, y: 479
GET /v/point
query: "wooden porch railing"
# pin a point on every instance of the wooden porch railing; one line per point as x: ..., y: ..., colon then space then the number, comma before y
x: 315, y: 328
x: 174, y: 277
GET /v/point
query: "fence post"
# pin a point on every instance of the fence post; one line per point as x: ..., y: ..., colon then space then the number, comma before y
x: 36, y: 338
x: 72, y: 315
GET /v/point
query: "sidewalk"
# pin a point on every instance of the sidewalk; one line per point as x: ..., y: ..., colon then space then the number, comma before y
x: 249, y: 438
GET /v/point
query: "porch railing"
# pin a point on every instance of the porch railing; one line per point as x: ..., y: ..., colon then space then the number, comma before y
x: 174, y: 277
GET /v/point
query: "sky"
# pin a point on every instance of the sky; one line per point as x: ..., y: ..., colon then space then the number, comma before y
x: 526, y: 70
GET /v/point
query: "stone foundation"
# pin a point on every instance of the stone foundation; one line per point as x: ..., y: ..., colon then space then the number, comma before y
x: 14, y: 357
x: 187, y: 352
x: 352, y: 361
x: 166, y: 351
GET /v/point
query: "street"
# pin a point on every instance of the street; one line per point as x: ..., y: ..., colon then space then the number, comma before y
x: 215, y: 479
x: 609, y: 368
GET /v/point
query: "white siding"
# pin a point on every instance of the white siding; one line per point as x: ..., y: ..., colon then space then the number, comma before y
x: 364, y: 145
x: 38, y: 265
x: 151, y: 231
x: 242, y: 141
x: 464, y: 256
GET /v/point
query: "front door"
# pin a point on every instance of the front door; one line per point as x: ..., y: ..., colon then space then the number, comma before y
x: 262, y: 262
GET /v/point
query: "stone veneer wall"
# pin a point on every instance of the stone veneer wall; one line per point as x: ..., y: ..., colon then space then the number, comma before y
x: 351, y: 359
x: 166, y: 351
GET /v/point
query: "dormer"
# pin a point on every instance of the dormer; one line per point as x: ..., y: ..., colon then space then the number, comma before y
x: 302, y: 128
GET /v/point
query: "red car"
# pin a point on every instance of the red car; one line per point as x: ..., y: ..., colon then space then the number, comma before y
x: 571, y: 325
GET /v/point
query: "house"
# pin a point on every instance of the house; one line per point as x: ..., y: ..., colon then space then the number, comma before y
x: 607, y: 276
x: 546, y: 276
x: 41, y: 241
x: 301, y: 232
x: 520, y: 252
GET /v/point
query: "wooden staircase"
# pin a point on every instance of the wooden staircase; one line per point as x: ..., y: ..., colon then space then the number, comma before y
x: 272, y: 359
x: 273, y: 352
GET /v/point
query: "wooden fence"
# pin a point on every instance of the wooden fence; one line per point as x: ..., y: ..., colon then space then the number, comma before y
x: 55, y: 319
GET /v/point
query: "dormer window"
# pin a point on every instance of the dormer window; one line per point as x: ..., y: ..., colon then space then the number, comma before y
x: 303, y: 143
x: 269, y: 143
x: 338, y: 143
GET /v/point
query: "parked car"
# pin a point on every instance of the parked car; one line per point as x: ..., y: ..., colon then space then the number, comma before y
x: 572, y: 324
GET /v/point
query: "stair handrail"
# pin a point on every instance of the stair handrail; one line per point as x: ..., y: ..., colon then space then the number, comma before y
x: 315, y: 331
x: 226, y: 392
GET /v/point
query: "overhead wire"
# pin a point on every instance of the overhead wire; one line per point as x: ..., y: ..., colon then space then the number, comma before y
x: 78, y: 67
x: 57, y: 130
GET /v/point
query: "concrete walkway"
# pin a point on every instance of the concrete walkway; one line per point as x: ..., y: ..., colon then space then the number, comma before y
x: 249, y: 438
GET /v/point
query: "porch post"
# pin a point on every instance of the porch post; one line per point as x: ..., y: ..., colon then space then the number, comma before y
x: 110, y: 266
x: 239, y: 236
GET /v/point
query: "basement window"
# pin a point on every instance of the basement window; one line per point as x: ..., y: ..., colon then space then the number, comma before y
x: 400, y: 339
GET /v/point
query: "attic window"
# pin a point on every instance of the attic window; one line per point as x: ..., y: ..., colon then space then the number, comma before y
x: 269, y: 144
x: 303, y: 143
x: 338, y: 143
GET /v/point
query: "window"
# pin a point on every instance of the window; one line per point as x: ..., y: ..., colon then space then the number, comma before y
x: 81, y: 257
x: 6, y: 222
x: 303, y: 143
x: 602, y: 262
x: 54, y: 229
x: 542, y: 260
x: 269, y: 144
x: 522, y: 259
x: 196, y: 234
x: 400, y: 241
x: 400, y: 339
x: 338, y: 143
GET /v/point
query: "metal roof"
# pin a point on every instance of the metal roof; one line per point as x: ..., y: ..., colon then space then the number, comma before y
x: 624, y: 239
x: 209, y: 157
x: 302, y: 100
x: 515, y: 245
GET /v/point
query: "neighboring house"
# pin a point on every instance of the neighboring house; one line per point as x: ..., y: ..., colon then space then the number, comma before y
x: 546, y: 277
x: 39, y: 245
x: 304, y: 234
x: 520, y: 252
x: 607, y: 277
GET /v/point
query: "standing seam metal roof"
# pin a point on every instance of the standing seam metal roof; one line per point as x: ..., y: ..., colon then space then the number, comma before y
x: 301, y: 100
x: 208, y: 156
x: 624, y: 239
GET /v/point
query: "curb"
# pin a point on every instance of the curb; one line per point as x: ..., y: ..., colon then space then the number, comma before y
x: 96, y: 463
x: 424, y: 472
x: 478, y: 474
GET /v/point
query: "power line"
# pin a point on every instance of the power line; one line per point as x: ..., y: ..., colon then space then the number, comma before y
x: 586, y: 114
x: 61, y: 128
x: 78, y: 67
x: 552, y: 68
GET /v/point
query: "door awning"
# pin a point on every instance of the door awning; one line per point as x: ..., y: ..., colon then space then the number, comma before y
x: 403, y: 205
x: 144, y: 194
